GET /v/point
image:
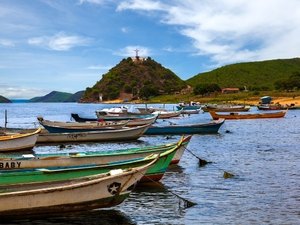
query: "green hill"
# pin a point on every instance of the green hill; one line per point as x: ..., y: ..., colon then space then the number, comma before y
x: 53, y: 96
x: 135, y: 78
x: 4, y: 100
x: 253, y: 75
x: 75, y: 97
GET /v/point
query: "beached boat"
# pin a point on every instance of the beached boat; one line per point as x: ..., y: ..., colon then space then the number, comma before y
x: 59, y: 173
x: 69, y: 195
x: 29, y: 161
x: 130, y: 123
x: 237, y: 116
x: 17, y: 141
x: 70, y: 127
x: 201, y: 128
x: 226, y: 108
x: 124, y: 134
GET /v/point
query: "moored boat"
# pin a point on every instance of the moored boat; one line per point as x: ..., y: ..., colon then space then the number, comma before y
x: 167, y: 114
x: 188, y: 106
x: 115, y: 117
x: 201, y: 128
x: 124, y: 134
x: 59, y: 173
x: 226, y: 108
x: 78, y: 194
x: 18, y: 141
x: 70, y: 127
x: 235, y: 115
x: 131, y: 122
x: 29, y: 161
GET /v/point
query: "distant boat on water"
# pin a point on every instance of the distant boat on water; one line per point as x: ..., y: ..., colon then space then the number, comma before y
x: 238, y: 116
x: 200, y: 128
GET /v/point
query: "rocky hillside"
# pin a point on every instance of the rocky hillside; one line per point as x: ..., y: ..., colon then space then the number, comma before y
x: 134, y: 78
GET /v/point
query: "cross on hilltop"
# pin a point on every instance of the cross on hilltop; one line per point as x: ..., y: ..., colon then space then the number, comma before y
x: 137, y: 57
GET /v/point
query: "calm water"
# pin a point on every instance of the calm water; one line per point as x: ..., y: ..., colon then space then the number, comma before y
x: 264, y: 156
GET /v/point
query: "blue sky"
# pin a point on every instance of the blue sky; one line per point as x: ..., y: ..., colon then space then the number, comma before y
x: 66, y: 45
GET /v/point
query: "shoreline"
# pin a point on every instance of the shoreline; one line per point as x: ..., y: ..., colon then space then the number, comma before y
x: 253, y: 101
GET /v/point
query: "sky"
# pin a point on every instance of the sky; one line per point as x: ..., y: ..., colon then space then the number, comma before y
x: 67, y: 45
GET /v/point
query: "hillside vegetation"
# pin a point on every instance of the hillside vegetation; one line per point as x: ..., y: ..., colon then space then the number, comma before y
x: 135, y: 79
x: 4, y: 100
x: 56, y: 96
x: 253, y: 75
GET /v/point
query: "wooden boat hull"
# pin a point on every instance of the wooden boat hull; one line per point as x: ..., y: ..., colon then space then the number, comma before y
x: 58, y: 173
x: 226, y: 109
x: 131, y: 133
x: 188, y: 107
x: 190, y: 111
x: 18, y: 142
x: 131, y: 122
x: 237, y: 116
x: 29, y: 161
x: 121, y: 117
x: 99, y: 191
x: 167, y: 114
x: 208, y: 128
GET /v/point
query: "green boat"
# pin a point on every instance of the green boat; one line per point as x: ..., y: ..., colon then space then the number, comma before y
x: 79, y: 194
x: 29, y: 161
x: 51, y: 174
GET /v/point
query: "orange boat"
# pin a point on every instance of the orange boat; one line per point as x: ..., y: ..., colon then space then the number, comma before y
x: 237, y: 116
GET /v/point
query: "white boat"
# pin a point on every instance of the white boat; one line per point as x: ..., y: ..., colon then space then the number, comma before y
x: 18, y: 141
x: 78, y: 194
x: 95, y: 124
x: 136, y: 121
x: 167, y: 114
x: 126, y: 133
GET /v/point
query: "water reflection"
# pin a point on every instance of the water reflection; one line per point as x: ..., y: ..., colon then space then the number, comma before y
x: 103, y: 217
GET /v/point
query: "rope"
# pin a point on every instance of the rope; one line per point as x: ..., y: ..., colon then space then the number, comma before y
x: 203, y: 162
x: 187, y: 203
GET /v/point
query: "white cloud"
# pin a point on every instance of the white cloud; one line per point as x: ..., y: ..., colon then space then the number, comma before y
x: 99, y: 67
x: 59, y: 42
x: 145, y: 5
x: 15, y: 92
x: 130, y: 51
x: 125, y: 29
x: 6, y: 43
x: 231, y: 31
x: 97, y: 2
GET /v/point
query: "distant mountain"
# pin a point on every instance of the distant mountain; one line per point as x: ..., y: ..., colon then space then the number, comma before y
x: 75, y: 97
x: 4, y: 100
x: 253, y: 75
x: 135, y: 78
x: 56, y: 96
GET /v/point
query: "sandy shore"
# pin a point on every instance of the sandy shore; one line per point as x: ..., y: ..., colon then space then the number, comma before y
x: 252, y: 101
x: 275, y: 100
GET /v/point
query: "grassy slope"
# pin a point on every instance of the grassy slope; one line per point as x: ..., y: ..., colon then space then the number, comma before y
x: 253, y: 74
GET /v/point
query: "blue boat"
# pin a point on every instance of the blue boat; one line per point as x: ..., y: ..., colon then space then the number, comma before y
x: 204, y: 128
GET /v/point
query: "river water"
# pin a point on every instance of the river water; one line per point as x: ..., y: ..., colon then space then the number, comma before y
x: 263, y: 155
